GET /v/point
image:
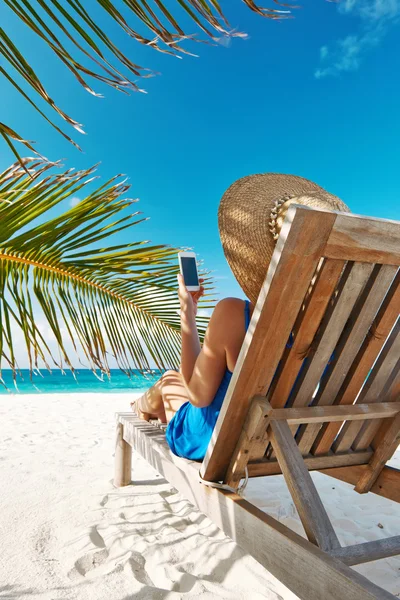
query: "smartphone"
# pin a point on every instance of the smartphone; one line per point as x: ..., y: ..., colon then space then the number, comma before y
x: 187, y: 263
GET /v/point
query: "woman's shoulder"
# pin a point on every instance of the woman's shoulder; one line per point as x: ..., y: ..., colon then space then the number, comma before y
x: 229, y: 308
x: 230, y: 303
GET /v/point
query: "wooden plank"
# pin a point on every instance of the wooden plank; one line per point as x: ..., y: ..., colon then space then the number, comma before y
x: 383, y: 368
x: 369, y: 551
x: 385, y: 445
x: 335, y: 318
x: 363, y: 239
x: 391, y: 391
x: 311, y: 511
x: 334, y: 323
x: 372, y: 390
x: 350, y: 342
x: 368, y: 431
x: 294, y: 262
x: 305, y: 330
x: 265, y: 467
x: 321, y: 414
x: 387, y: 484
x: 310, y: 573
x: 359, y: 370
x: 254, y: 430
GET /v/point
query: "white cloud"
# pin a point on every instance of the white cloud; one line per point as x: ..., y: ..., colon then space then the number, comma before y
x: 347, y: 6
x: 376, y: 17
x: 323, y: 53
x: 74, y: 201
x: 373, y: 10
x: 347, y: 56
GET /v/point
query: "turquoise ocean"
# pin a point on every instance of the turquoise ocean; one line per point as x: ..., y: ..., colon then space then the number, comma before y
x: 84, y: 382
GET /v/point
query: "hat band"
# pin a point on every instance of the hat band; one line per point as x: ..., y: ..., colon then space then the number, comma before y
x: 275, y: 212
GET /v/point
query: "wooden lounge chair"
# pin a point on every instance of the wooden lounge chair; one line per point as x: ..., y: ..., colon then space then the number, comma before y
x: 334, y: 283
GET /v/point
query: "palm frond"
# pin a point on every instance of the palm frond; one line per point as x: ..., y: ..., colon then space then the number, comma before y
x: 118, y: 300
x: 71, y: 24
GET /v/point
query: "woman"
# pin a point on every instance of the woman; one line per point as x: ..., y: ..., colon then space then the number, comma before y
x: 250, y: 216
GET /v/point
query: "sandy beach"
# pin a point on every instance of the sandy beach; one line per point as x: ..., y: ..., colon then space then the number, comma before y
x: 66, y: 532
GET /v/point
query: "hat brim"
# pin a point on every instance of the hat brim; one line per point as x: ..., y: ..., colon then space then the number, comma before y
x: 244, y: 222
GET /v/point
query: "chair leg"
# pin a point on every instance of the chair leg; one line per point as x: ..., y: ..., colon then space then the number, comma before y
x: 311, y: 511
x: 123, y: 459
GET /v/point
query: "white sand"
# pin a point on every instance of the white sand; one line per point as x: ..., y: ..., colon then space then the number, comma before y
x: 67, y: 533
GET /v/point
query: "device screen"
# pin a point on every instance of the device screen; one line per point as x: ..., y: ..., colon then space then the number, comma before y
x: 189, y: 270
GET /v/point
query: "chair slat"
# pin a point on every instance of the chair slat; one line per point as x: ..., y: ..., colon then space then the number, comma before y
x: 325, y: 414
x: 373, y: 388
x: 362, y: 365
x: 391, y: 391
x: 305, y: 330
x: 363, y: 239
x: 368, y: 430
x: 354, y: 334
x: 351, y: 284
x: 263, y: 467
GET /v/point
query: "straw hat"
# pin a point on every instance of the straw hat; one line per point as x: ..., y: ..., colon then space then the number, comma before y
x: 250, y: 217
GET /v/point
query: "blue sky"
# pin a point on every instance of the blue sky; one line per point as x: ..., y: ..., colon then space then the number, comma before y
x: 316, y: 96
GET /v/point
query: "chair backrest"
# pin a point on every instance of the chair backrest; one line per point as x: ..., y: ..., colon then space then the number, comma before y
x: 332, y: 289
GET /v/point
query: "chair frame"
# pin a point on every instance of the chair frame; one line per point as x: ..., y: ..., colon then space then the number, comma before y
x: 345, y: 433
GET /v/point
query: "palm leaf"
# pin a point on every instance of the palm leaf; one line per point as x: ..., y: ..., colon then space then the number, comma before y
x: 70, y: 30
x: 117, y: 300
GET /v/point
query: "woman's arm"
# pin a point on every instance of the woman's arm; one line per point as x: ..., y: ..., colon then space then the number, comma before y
x: 203, y: 368
x: 190, y: 337
x: 211, y: 362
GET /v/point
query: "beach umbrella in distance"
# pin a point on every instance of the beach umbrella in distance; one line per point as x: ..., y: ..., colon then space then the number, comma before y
x: 100, y: 298
x: 76, y: 33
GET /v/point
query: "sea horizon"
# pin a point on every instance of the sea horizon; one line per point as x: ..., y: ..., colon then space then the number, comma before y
x: 82, y: 381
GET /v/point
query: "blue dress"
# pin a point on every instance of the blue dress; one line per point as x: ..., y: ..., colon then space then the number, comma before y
x: 190, y: 429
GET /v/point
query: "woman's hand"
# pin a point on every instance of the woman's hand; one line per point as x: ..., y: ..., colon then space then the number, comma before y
x: 189, y: 300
